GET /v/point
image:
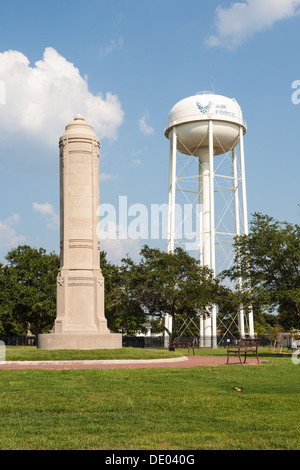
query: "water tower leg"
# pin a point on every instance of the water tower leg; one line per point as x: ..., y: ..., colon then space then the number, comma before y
x: 207, y: 330
x: 245, y: 213
x: 205, y: 240
x: 214, y: 327
x: 212, y: 227
x: 201, y: 331
x: 168, y: 325
x: 171, y: 213
x: 203, y: 215
x: 251, y: 323
x: 212, y: 198
x: 241, y: 320
x: 172, y: 192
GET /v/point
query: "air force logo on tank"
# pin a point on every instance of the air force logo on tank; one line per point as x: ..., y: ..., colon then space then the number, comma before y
x: 204, y: 109
x: 220, y: 109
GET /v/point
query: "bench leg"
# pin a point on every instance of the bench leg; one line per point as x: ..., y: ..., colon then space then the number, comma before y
x: 240, y: 358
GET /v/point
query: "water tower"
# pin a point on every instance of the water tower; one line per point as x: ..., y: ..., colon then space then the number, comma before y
x: 207, y: 177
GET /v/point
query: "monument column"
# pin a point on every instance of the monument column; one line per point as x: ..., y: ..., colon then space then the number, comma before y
x: 80, y: 319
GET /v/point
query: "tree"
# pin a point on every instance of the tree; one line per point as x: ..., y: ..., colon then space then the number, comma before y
x: 229, y: 303
x: 170, y: 284
x: 269, y: 258
x: 8, y: 324
x: 30, y: 289
x: 123, y: 312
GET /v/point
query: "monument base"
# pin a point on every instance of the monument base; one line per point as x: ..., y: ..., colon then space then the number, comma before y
x: 80, y: 341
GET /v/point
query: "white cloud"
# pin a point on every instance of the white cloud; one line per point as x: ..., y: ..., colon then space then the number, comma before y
x: 113, y: 45
x: 111, y: 240
x: 240, y: 21
x: 41, y: 100
x: 106, y: 177
x: 48, y: 212
x: 118, y: 249
x: 136, y: 161
x: 145, y: 128
x: 8, y: 234
x: 2, y: 92
x: 136, y: 156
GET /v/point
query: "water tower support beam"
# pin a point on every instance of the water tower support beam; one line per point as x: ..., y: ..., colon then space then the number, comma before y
x: 211, y: 196
x: 245, y: 213
x: 171, y: 214
x: 241, y: 321
x: 212, y: 227
x: 201, y: 240
x: 172, y: 192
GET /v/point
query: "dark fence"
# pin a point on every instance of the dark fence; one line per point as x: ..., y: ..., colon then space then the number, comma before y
x: 158, y: 341
x: 21, y: 340
x: 155, y: 342
x: 224, y: 341
x: 133, y: 342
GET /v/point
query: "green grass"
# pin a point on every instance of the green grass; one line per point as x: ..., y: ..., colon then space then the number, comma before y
x: 154, y: 409
x: 31, y: 353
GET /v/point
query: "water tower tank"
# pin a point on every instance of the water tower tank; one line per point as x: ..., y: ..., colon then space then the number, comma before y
x: 191, y: 115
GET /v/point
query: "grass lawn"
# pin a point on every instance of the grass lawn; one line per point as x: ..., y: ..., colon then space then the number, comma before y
x: 31, y: 353
x: 152, y: 409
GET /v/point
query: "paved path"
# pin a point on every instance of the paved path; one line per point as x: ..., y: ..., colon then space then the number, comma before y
x: 185, y: 361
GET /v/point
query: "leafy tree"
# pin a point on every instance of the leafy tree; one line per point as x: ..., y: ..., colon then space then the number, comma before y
x: 8, y: 324
x: 170, y: 284
x: 269, y: 257
x: 229, y: 303
x: 123, y: 312
x: 30, y: 290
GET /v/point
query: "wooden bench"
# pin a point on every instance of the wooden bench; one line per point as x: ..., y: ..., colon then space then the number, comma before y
x: 245, y: 345
x: 182, y: 342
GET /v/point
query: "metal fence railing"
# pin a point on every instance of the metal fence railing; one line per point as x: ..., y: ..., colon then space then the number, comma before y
x: 159, y: 342
x: 154, y: 342
x: 20, y: 340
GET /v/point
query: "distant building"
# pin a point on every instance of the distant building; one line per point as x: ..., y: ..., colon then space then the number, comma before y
x: 148, y: 327
x: 289, y: 339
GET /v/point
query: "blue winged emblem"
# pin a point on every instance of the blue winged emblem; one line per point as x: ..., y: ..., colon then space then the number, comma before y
x: 204, y: 109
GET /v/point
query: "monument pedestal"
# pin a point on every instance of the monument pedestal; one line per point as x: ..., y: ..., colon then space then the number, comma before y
x: 80, y: 341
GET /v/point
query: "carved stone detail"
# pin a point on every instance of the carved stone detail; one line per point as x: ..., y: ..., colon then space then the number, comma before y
x: 63, y: 152
x: 60, y: 282
x: 96, y: 154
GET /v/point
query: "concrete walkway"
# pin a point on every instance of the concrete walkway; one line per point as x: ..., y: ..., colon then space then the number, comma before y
x: 185, y: 361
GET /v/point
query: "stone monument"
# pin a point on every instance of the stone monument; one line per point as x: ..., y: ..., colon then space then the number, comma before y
x: 80, y: 319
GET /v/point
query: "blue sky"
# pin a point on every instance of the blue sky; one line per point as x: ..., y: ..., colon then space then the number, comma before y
x: 124, y: 64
